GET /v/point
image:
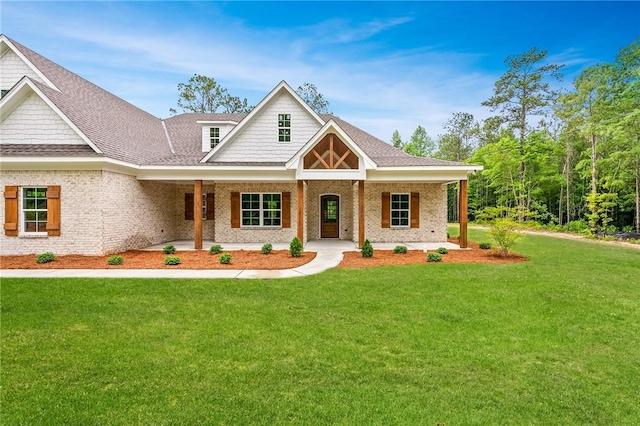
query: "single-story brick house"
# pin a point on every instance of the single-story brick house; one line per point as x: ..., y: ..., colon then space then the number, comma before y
x: 83, y: 171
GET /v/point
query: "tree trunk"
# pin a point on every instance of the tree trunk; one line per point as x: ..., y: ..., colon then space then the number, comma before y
x: 560, y: 205
x: 594, y: 178
x: 568, y: 180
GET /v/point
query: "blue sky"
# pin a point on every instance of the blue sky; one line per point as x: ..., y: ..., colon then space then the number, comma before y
x: 382, y: 65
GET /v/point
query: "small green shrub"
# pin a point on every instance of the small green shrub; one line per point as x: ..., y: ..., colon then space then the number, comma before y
x: 578, y: 226
x: 266, y: 248
x: 400, y: 249
x: 295, y: 248
x: 367, y: 249
x: 505, y: 232
x: 215, y: 249
x: 442, y: 250
x: 115, y: 260
x: 225, y: 258
x: 45, y: 257
x: 169, y: 249
x: 172, y: 260
x: 484, y: 246
x: 434, y: 257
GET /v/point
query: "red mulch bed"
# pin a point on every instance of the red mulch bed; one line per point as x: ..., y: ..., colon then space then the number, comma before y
x: 389, y: 258
x: 143, y: 259
x: 250, y: 259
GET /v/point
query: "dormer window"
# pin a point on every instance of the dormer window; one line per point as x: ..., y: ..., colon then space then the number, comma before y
x: 284, y: 127
x: 214, y: 136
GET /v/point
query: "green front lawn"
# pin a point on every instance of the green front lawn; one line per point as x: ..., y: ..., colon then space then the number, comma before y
x: 551, y: 341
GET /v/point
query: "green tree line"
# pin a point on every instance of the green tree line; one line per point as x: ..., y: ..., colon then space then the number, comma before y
x: 568, y: 158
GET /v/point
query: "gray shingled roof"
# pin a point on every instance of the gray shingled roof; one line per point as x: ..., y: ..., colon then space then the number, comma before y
x: 25, y: 150
x: 124, y: 132
x: 120, y: 130
x: 185, y: 135
x: 382, y: 153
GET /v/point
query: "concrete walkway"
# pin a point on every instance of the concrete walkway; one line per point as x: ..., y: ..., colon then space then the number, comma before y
x: 329, y: 254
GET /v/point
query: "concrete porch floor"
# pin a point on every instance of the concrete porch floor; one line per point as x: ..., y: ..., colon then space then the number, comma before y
x: 313, y: 245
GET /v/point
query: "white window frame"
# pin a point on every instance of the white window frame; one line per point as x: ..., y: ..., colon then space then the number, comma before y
x: 23, y: 210
x: 214, y: 136
x: 284, y: 128
x: 261, y: 210
x: 400, y: 210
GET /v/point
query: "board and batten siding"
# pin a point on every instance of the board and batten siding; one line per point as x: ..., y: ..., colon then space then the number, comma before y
x: 13, y: 69
x: 34, y: 122
x: 258, y: 141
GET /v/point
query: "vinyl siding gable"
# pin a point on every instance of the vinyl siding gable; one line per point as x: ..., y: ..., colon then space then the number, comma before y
x: 13, y: 69
x: 34, y: 122
x: 258, y: 141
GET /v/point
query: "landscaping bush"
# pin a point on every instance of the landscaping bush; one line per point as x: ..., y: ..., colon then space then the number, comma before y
x: 215, y: 249
x: 172, y: 260
x: 169, y: 249
x: 434, y: 257
x: 367, y: 249
x: 400, y: 249
x: 266, y: 248
x: 115, y: 260
x: 578, y: 226
x: 442, y: 250
x: 225, y: 258
x: 484, y: 246
x: 505, y: 232
x: 295, y: 248
x: 45, y: 257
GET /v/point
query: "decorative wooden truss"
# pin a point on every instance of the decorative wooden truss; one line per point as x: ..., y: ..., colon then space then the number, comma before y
x: 331, y: 153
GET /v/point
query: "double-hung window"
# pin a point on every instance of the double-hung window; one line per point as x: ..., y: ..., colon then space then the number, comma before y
x: 400, y: 210
x: 284, y: 127
x: 214, y: 136
x: 34, y: 210
x: 261, y: 209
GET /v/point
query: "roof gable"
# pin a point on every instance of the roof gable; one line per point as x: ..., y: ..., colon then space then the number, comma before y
x: 255, y: 138
x: 335, y: 145
x: 15, y: 65
x: 115, y: 127
x: 29, y: 117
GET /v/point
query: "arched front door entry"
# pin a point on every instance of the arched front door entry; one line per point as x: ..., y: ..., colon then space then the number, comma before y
x: 330, y: 216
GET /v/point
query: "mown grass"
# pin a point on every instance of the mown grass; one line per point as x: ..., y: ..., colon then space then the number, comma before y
x: 551, y: 341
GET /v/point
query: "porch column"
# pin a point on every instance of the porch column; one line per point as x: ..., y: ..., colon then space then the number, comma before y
x: 360, y: 213
x: 463, y: 213
x: 197, y: 214
x: 300, y: 202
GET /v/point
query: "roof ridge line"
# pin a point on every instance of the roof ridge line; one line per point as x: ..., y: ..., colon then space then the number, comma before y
x: 166, y: 133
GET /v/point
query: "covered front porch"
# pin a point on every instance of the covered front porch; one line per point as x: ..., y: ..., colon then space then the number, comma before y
x: 341, y: 211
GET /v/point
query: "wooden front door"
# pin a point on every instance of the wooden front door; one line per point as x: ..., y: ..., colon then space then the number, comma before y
x: 330, y: 216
